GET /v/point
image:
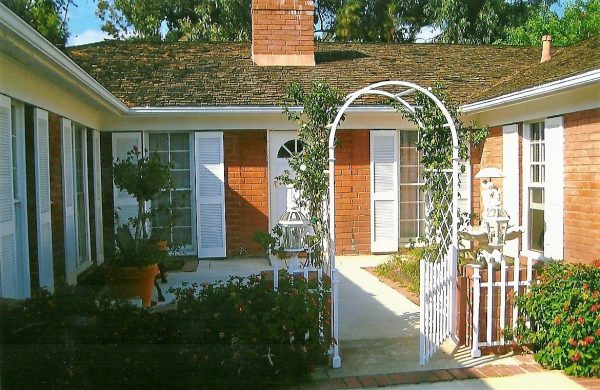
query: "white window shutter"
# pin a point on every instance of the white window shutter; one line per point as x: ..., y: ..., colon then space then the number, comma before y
x: 210, y: 194
x: 68, y: 187
x: 384, y: 190
x: 124, y: 203
x: 98, y: 222
x: 9, y: 285
x: 510, y: 190
x: 43, y: 206
x: 554, y: 189
x: 464, y: 195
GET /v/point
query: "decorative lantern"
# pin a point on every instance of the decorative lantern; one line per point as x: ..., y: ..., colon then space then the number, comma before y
x: 496, y: 222
x: 294, y: 225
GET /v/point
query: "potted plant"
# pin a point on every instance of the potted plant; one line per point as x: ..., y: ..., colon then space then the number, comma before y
x: 139, y: 245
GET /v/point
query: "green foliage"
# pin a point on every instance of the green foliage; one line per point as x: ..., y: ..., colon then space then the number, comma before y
x: 145, y: 178
x: 564, y: 311
x: 228, y: 335
x: 308, y: 168
x: 479, y: 22
x: 404, y: 268
x: 375, y: 20
x: 580, y: 20
x: 48, y: 17
x: 435, y: 146
x: 221, y: 20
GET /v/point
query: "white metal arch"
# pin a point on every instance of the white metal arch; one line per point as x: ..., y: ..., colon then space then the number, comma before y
x: 427, y: 346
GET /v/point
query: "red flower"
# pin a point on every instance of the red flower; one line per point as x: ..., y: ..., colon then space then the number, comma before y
x: 594, y: 308
x: 581, y: 320
x: 596, y: 294
x: 557, y: 320
x: 586, y: 286
x: 576, y: 357
x: 597, y: 332
x: 597, y: 263
x: 573, y: 342
x: 589, y: 339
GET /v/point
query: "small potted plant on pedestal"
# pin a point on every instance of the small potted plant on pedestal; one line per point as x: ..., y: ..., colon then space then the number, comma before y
x: 139, y: 246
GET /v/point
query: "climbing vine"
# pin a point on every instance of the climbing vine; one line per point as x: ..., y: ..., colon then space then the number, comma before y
x: 435, y: 146
x: 308, y: 173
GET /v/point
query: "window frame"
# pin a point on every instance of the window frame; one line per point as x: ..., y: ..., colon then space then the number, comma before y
x: 528, y: 185
x: 402, y: 240
x: 84, y: 260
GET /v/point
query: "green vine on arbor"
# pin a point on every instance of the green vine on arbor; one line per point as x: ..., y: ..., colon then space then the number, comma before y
x: 320, y: 104
x: 435, y: 147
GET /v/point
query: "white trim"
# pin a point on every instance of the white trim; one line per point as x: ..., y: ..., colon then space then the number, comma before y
x: 240, y: 110
x: 561, y: 85
x: 11, y: 22
x: 510, y: 168
x: 554, y: 185
x: 98, y: 217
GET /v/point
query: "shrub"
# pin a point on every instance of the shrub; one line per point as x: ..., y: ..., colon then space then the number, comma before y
x: 404, y: 268
x: 227, y: 335
x: 564, y: 312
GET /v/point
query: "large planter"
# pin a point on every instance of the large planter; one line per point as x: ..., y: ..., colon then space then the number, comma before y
x: 133, y: 282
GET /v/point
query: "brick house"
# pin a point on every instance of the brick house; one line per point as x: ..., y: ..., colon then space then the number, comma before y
x: 215, y: 111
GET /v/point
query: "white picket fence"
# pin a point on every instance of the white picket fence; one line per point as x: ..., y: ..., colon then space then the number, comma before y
x: 495, y: 300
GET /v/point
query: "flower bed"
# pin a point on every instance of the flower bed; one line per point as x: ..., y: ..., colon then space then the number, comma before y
x: 233, y: 334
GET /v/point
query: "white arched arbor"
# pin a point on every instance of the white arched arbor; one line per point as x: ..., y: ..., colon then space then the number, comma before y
x: 438, y: 275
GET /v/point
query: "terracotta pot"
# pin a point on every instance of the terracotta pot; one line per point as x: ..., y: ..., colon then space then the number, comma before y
x: 133, y: 282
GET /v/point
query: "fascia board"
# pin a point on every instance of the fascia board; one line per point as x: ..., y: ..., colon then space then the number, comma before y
x: 55, y: 59
x: 562, y: 85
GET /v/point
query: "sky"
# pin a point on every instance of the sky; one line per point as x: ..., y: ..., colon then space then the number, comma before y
x: 85, y: 26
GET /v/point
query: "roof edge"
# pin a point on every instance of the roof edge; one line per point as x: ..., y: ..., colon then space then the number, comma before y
x: 539, y: 91
x: 19, y: 28
x: 239, y: 110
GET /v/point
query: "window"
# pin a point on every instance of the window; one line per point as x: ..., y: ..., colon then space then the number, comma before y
x: 81, y: 194
x: 290, y: 148
x: 412, y: 198
x: 175, y: 149
x: 537, y: 179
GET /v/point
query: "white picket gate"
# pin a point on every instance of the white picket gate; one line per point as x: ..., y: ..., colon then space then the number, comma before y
x: 500, y: 312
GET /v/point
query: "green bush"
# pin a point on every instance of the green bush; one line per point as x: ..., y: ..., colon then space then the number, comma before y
x: 564, y: 312
x: 404, y: 268
x: 227, y: 335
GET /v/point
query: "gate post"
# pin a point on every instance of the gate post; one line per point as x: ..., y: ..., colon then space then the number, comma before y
x: 475, y: 352
x: 336, y: 360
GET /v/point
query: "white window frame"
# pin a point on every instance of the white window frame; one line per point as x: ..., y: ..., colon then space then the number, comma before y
x: 20, y: 180
x: 554, y: 182
x: 404, y: 241
x: 192, y: 248
x: 84, y: 262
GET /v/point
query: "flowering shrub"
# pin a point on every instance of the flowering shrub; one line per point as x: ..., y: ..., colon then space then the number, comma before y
x: 564, y: 313
x: 239, y: 333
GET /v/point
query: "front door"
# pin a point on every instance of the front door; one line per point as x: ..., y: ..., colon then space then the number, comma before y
x: 282, y: 145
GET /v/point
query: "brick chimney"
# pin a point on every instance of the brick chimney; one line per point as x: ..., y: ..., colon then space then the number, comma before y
x: 546, y: 48
x: 283, y: 33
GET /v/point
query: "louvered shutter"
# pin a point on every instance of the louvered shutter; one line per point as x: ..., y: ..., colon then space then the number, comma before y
x: 510, y: 190
x: 210, y: 194
x: 9, y: 285
x: 384, y: 191
x: 69, y: 203
x: 43, y: 207
x: 554, y: 189
x: 464, y: 196
x: 98, y: 223
x: 124, y: 203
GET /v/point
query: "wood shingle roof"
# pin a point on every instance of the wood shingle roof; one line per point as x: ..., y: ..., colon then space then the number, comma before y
x: 222, y: 74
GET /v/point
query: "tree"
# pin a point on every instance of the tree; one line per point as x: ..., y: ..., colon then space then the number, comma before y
x: 48, y: 17
x: 580, y: 20
x: 369, y: 20
x: 479, y: 22
x: 222, y: 20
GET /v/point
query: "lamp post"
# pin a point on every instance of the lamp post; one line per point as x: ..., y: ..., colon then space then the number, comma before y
x: 294, y: 227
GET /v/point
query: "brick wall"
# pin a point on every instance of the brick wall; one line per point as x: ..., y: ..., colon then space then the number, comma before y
x: 246, y: 190
x: 58, y: 247
x: 31, y: 199
x: 352, y: 193
x: 488, y: 154
x: 282, y: 32
x: 582, y: 186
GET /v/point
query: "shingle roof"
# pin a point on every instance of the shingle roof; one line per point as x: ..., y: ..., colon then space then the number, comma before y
x: 219, y: 74
x: 569, y: 61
